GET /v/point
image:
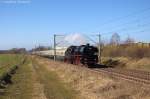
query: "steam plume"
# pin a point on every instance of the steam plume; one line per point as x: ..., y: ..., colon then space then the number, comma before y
x: 75, y: 39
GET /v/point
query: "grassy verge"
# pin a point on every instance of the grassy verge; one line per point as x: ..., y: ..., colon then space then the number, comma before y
x: 22, y: 87
x: 54, y: 87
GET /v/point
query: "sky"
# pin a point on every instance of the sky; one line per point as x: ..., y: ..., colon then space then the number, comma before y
x: 29, y: 23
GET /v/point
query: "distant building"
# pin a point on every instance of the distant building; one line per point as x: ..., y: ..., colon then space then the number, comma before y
x: 138, y: 44
x: 18, y: 50
x: 141, y: 44
x: 4, y: 51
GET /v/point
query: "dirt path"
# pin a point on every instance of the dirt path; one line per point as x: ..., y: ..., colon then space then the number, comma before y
x: 53, y: 87
x: 38, y: 88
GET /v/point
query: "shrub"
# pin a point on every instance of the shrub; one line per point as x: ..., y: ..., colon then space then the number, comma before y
x: 132, y: 51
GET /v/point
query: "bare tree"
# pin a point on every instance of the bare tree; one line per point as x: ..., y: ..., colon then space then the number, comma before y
x: 115, y: 39
x: 129, y: 40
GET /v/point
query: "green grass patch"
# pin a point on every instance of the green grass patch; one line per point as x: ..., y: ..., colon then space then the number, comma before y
x: 54, y: 87
x: 7, y: 61
x: 22, y: 87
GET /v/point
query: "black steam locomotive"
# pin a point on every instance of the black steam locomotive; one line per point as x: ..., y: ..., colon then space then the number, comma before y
x: 85, y: 55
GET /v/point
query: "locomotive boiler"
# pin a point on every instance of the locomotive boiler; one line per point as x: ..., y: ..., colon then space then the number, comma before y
x: 86, y: 55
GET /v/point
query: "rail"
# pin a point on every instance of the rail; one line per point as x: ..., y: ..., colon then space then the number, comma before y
x: 138, y: 77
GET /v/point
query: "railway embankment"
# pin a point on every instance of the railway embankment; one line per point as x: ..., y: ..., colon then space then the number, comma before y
x: 92, y: 85
x: 127, y: 63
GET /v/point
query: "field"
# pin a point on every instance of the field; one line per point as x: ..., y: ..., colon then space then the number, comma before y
x: 7, y: 61
x: 41, y: 78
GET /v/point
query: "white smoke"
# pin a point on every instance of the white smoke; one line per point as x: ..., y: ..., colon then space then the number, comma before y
x: 75, y: 39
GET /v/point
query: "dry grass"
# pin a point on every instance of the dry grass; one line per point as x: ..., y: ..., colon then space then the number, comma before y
x: 133, y: 51
x: 128, y: 63
x: 94, y: 86
x: 54, y: 88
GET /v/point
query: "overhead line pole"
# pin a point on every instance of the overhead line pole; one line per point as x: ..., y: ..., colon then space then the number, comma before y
x: 99, y: 46
x: 55, y: 44
x: 54, y: 47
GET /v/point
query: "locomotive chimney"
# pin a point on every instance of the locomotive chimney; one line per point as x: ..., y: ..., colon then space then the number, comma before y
x: 88, y: 44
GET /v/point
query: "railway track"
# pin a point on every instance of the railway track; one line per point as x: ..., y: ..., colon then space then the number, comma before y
x: 135, y: 76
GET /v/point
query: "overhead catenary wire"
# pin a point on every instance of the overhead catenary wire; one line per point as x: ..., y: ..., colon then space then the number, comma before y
x: 138, y: 26
x: 123, y: 17
x: 136, y: 21
x: 90, y: 39
x: 139, y: 31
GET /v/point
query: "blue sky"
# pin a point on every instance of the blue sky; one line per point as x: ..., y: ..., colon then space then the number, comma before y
x: 34, y: 22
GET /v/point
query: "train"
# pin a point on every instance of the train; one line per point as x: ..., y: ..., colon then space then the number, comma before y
x: 86, y: 55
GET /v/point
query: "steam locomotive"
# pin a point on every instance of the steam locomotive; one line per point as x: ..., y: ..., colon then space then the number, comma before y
x: 86, y: 55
